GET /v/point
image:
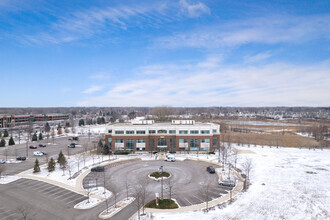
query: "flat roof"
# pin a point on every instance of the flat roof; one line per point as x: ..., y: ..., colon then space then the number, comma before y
x: 158, y: 124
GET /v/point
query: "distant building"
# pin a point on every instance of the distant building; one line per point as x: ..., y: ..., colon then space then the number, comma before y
x: 12, y: 120
x: 178, y: 135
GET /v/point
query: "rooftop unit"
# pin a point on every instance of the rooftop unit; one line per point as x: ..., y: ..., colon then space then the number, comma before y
x: 183, y: 122
x: 142, y: 122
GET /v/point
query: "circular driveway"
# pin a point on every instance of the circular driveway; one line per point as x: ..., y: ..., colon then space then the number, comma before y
x: 188, y: 178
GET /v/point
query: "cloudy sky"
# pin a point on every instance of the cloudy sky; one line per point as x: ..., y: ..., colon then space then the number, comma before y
x: 175, y: 52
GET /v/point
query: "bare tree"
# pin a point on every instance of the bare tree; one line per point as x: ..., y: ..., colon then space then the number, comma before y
x: 68, y: 151
x: 2, y: 169
x: 138, y: 194
x: 162, y: 112
x: 247, y: 167
x: 25, y: 212
x: 170, y: 187
x: 205, y: 193
x: 127, y: 187
x: 53, y: 134
x: 144, y: 189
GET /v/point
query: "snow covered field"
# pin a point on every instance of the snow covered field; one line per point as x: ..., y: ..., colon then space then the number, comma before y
x: 287, y: 183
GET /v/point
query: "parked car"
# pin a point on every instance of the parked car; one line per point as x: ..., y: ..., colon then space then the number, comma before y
x: 210, y: 169
x: 38, y: 153
x: 42, y: 145
x: 98, y: 169
x: 227, y: 183
x: 75, y: 138
x: 170, y: 158
x: 21, y: 158
x: 44, y: 152
x: 2, y: 161
x: 72, y: 145
x: 33, y: 147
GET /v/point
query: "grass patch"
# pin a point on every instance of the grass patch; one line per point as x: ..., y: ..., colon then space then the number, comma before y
x: 158, y: 175
x: 163, y: 204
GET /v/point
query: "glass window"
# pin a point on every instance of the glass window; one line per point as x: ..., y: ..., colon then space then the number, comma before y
x: 110, y: 131
x: 152, y: 132
x: 110, y: 143
x: 140, y: 132
x: 140, y: 140
x: 183, y: 131
x: 181, y: 140
x: 129, y: 132
x: 172, y: 131
x: 194, y: 132
x: 214, y: 130
x: 119, y: 132
x: 129, y: 144
x: 205, y: 140
x: 119, y: 140
x: 162, y: 132
x: 214, y: 143
x: 162, y: 142
x: 194, y: 144
x: 205, y: 131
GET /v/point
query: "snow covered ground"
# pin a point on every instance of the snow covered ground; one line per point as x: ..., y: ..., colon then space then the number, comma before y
x: 8, y: 179
x: 287, y: 183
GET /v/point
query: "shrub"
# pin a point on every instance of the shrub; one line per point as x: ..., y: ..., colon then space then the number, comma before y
x: 211, y: 153
x: 121, y: 153
x: 163, y: 204
x: 158, y: 175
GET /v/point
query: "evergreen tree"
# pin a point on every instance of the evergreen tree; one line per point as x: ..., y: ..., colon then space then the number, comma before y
x: 61, y: 160
x: 35, y: 137
x: 40, y: 136
x: 5, y: 133
x: 106, y: 149
x: 81, y: 122
x: 67, y: 124
x: 59, y: 126
x: 60, y: 155
x: 51, y: 165
x: 0, y: 134
x: 36, y: 167
x: 11, y: 141
x: 47, y: 127
x: 2, y: 142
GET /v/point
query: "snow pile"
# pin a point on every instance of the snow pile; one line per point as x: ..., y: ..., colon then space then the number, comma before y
x: 87, y: 203
x: 113, y: 210
x: 287, y: 183
x: 8, y: 179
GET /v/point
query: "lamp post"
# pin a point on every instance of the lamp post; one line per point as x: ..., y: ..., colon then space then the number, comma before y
x: 160, y: 170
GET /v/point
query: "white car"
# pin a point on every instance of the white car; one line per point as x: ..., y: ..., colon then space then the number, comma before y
x: 170, y: 158
x: 2, y: 161
x: 37, y: 153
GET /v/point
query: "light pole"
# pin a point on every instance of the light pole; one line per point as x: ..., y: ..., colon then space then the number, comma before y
x: 160, y: 170
x: 27, y: 149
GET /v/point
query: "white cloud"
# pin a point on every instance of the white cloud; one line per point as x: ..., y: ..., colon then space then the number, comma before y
x: 257, y: 57
x: 265, y: 30
x: 198, y: 84
x: 92, y: 89
x: 194, y: 10
x: 100, y: 76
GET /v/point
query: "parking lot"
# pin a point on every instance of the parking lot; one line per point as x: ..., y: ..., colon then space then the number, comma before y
x: 188, y: 177
x: 36, y: 198
x: 52, y: 149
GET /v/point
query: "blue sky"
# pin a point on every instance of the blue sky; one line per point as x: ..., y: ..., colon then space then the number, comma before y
x: 176, y: 53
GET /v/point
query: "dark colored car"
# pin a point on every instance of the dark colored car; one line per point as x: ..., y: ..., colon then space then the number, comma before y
x: 227, y: 183
x: 98, y: 169
x: 72, y: 145
x: 210, y: 169
x: 75, y: 138
x: 21, y: 158
x: 33, y: 147
x: 42, y: 145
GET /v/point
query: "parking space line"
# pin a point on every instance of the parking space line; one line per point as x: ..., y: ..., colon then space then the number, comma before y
x: 51, y: 192
x: 197, y: 198
x: 12, y: 213
x: 47, y: 188
x: 62, y: 194
x: 187, y: 200
x: 73, y: 201
x: 71, y: 197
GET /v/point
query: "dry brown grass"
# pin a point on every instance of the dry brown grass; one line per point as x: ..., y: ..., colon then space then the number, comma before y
x: 271, y: 139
